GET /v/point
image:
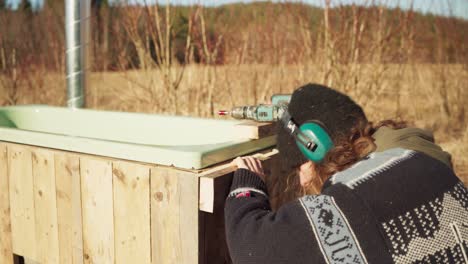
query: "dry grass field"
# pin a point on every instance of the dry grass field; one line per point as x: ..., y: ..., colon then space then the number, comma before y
x: 195, y: 60
x: 428, y: 96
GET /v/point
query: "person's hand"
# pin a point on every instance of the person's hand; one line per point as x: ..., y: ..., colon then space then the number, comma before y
x: 250, y: 163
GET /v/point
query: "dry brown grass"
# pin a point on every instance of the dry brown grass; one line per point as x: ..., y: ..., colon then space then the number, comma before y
x: 429, y: 96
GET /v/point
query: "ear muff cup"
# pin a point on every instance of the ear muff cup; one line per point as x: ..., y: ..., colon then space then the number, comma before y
x: 317, y: 134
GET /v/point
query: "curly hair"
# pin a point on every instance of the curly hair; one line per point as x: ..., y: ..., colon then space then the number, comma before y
x: 348, y: 150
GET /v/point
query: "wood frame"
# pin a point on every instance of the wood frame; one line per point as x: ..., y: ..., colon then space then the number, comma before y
x: 63, y: 207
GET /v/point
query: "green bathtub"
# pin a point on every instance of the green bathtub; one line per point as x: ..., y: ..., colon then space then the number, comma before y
x: 184, y: 142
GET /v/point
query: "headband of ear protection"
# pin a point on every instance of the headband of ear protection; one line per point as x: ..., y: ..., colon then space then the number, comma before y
x: 311, y: 138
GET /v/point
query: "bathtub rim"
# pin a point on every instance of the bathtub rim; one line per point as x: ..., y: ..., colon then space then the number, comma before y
x: 186, y: 159
x: 20, y: 113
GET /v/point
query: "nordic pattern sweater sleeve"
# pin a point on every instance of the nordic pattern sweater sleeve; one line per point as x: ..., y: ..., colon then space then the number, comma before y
x: 299, y: 232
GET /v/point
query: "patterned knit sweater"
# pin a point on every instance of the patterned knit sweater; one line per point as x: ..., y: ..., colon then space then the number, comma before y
x: 395, y: 206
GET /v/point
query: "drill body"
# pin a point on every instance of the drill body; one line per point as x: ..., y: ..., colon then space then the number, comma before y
x: 262, y: 112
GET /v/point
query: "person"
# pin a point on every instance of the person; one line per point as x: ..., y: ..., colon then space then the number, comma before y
x: 379, y: 194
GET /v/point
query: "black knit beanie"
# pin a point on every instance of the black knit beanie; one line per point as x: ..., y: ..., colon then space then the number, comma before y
x: 336, y: 111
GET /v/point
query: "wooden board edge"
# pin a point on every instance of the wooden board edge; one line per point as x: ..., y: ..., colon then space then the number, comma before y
x: 256, y: 130
x: 210, y: 182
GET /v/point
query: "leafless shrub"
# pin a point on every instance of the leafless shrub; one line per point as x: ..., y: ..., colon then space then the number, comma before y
x: 388, y: 60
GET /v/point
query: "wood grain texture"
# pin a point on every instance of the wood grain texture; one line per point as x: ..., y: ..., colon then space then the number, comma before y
x: 97, y: 209
x: 23, y: 228
x: 6, y: 253
x: 67, y: 181
x: 103, y: 206
x: 174, y: 216
x: 131, y: 213
x: 255, y: 130
x: 45, y: 204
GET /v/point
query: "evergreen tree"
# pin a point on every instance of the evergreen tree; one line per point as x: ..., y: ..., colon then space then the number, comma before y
x: 25, y: 6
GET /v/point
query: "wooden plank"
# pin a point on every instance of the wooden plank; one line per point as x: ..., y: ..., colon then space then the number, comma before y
x: 214, y: 190
x: 174, y: 216
x: 6, y: 253
x: 23, y: 228
x: 45, y: 204
x: 67, y: 180
x: 188, y: 222
x: 97, y: 210
x: 213, y: 182
x: 256, y: 130
x: 165, y: 216
x: 131, y: 213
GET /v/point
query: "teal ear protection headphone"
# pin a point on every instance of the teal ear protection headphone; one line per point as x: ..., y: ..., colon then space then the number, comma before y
x: 311, y: 137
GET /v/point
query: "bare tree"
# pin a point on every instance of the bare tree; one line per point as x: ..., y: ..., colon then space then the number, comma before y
x: 210, y: 57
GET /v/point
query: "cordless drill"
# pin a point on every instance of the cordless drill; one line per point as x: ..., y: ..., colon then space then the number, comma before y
x: 262, y: 112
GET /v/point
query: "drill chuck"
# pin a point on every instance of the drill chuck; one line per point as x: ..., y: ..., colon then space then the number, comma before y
x: 244, y: 112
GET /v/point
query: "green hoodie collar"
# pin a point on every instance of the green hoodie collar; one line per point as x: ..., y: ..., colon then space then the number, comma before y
x: 410, y: 138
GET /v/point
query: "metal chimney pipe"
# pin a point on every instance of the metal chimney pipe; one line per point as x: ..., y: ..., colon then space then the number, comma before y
x: 77, y: 15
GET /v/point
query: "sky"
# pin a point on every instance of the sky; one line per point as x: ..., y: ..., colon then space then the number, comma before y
x: 458, y: 8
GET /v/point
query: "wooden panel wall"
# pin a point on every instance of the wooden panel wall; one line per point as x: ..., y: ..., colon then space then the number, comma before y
x: 6, y: 254
x: 132, y: 213
x: 60, y: 207
x: 45, y: 206
x: 174, y: 216
x: 68, y: 184
x: 97, y: 205
x: 22, y: 210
